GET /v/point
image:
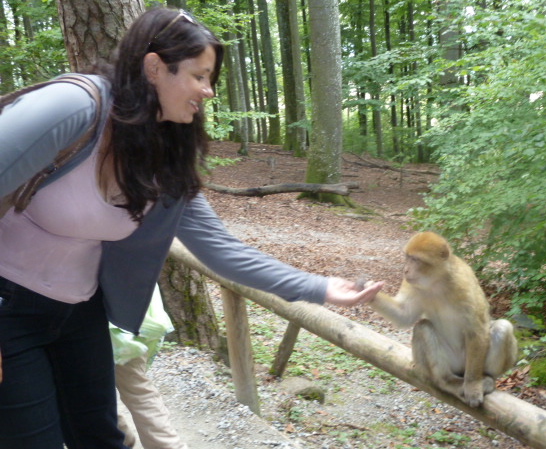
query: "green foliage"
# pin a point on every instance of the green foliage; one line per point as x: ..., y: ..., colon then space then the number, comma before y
x: 33, y: 53
x: 491, y: 145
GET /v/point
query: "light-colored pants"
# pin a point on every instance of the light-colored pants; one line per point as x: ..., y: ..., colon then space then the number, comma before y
x: 146, y: 406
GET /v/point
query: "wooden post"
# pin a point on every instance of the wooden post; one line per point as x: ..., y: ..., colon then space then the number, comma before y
x: 241, y: 360
x: 285, y: 349
x: 500, y: 410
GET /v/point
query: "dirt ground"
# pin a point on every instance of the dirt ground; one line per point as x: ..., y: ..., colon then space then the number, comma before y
x: 331, y: 241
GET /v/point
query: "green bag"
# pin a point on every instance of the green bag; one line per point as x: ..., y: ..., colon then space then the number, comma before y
x: 155, y: 326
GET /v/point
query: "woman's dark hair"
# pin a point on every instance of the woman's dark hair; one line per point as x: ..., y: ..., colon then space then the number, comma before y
x: 156, y: 158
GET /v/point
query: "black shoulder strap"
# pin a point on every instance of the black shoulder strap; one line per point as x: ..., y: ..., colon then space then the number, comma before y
x: 21, y: 197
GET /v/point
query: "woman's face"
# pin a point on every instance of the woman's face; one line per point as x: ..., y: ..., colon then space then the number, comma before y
x: 181, y: 94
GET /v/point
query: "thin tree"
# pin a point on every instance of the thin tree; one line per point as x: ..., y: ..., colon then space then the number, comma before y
x: 394, y: 116
x: 274, y: 132
x: 259, y: 78
x: 289, y: 87
x: 376, y: 111
x: 300, y: 144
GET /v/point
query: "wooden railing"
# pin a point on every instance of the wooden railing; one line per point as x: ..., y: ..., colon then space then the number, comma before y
x: 502, y: 411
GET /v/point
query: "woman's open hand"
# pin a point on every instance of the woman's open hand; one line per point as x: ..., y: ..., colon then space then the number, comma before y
x: 344, y: 293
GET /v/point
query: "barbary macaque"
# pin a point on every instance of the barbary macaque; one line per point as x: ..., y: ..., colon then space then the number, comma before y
x: 455, y: 343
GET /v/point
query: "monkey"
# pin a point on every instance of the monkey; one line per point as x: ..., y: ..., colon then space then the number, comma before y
x: 455, y: 343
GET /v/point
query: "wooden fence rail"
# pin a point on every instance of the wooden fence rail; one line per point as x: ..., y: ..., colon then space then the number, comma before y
x: 502, y: 411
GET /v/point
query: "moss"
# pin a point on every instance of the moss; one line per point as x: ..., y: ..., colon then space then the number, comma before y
x: 538, y: 371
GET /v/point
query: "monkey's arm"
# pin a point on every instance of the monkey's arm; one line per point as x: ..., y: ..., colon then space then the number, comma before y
x: 402, y: 310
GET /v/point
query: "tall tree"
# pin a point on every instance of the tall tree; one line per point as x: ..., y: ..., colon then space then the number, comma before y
x: 324, y: 164
x: 259, y: 84
x: 376, y: 93
x: 236, y: 92
x: 394, y: 116
x: 300, y: 144
x: 287, y: 18
x: 289, y: 87
x: 274, y: 132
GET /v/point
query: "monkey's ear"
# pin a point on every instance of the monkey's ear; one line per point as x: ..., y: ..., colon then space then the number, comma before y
x: 444, y: 251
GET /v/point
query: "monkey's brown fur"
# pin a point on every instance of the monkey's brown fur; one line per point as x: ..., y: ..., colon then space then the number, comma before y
x: 454, y: 341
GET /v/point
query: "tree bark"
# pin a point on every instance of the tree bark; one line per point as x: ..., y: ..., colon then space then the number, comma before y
x: 274, y: 132
x: 188, y: 304
x: 260, y: 92
x: 289, y: 87
x: 300, y: 132
x: 376, y: 94
x: 324, y: 164
x: 92, y: 28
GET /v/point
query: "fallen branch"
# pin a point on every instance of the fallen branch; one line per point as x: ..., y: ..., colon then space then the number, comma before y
x: 338, y: 189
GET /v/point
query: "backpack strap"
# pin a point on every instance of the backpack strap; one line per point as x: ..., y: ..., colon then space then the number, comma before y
x: 20, y: 198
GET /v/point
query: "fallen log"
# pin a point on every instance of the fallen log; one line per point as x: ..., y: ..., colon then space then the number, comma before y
x: 338, y: 189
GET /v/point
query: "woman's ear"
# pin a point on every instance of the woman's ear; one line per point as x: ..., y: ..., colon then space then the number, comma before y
x: 151, y: 66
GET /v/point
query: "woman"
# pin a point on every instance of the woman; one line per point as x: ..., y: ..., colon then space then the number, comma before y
x: 90, y: 246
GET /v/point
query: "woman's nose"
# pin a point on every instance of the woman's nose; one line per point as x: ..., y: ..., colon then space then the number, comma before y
x: 208, y: 92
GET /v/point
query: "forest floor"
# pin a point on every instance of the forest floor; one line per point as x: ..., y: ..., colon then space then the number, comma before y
x: 363, y: 408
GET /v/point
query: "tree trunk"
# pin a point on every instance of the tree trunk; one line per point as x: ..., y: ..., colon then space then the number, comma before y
x: 327, y: 122
x: 394, y: 116
x: 92, y: 28
x: 236, y: 94
x: 360, y: 36
x: 188, y: 304
x: 260, y: 92
x: 300, y: 142
x: 289, y: 87
x: 376, y: 112
x: 295, y: 139
x: 274, y: 133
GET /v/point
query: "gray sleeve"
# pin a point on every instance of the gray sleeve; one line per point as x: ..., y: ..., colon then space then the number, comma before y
x: 36, y: 126
x: 204, y: 234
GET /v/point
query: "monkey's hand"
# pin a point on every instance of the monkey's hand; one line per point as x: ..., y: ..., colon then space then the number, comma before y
x: 473, y: 393
x: 341, y: 292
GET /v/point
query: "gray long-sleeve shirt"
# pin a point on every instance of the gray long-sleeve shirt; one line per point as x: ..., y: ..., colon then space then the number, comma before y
x: 39, y: 124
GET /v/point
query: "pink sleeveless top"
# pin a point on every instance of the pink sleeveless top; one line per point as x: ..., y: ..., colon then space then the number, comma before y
x: 54, y: 246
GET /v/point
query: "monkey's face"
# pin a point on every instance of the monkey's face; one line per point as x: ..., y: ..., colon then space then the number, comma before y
x: 419, y: 272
